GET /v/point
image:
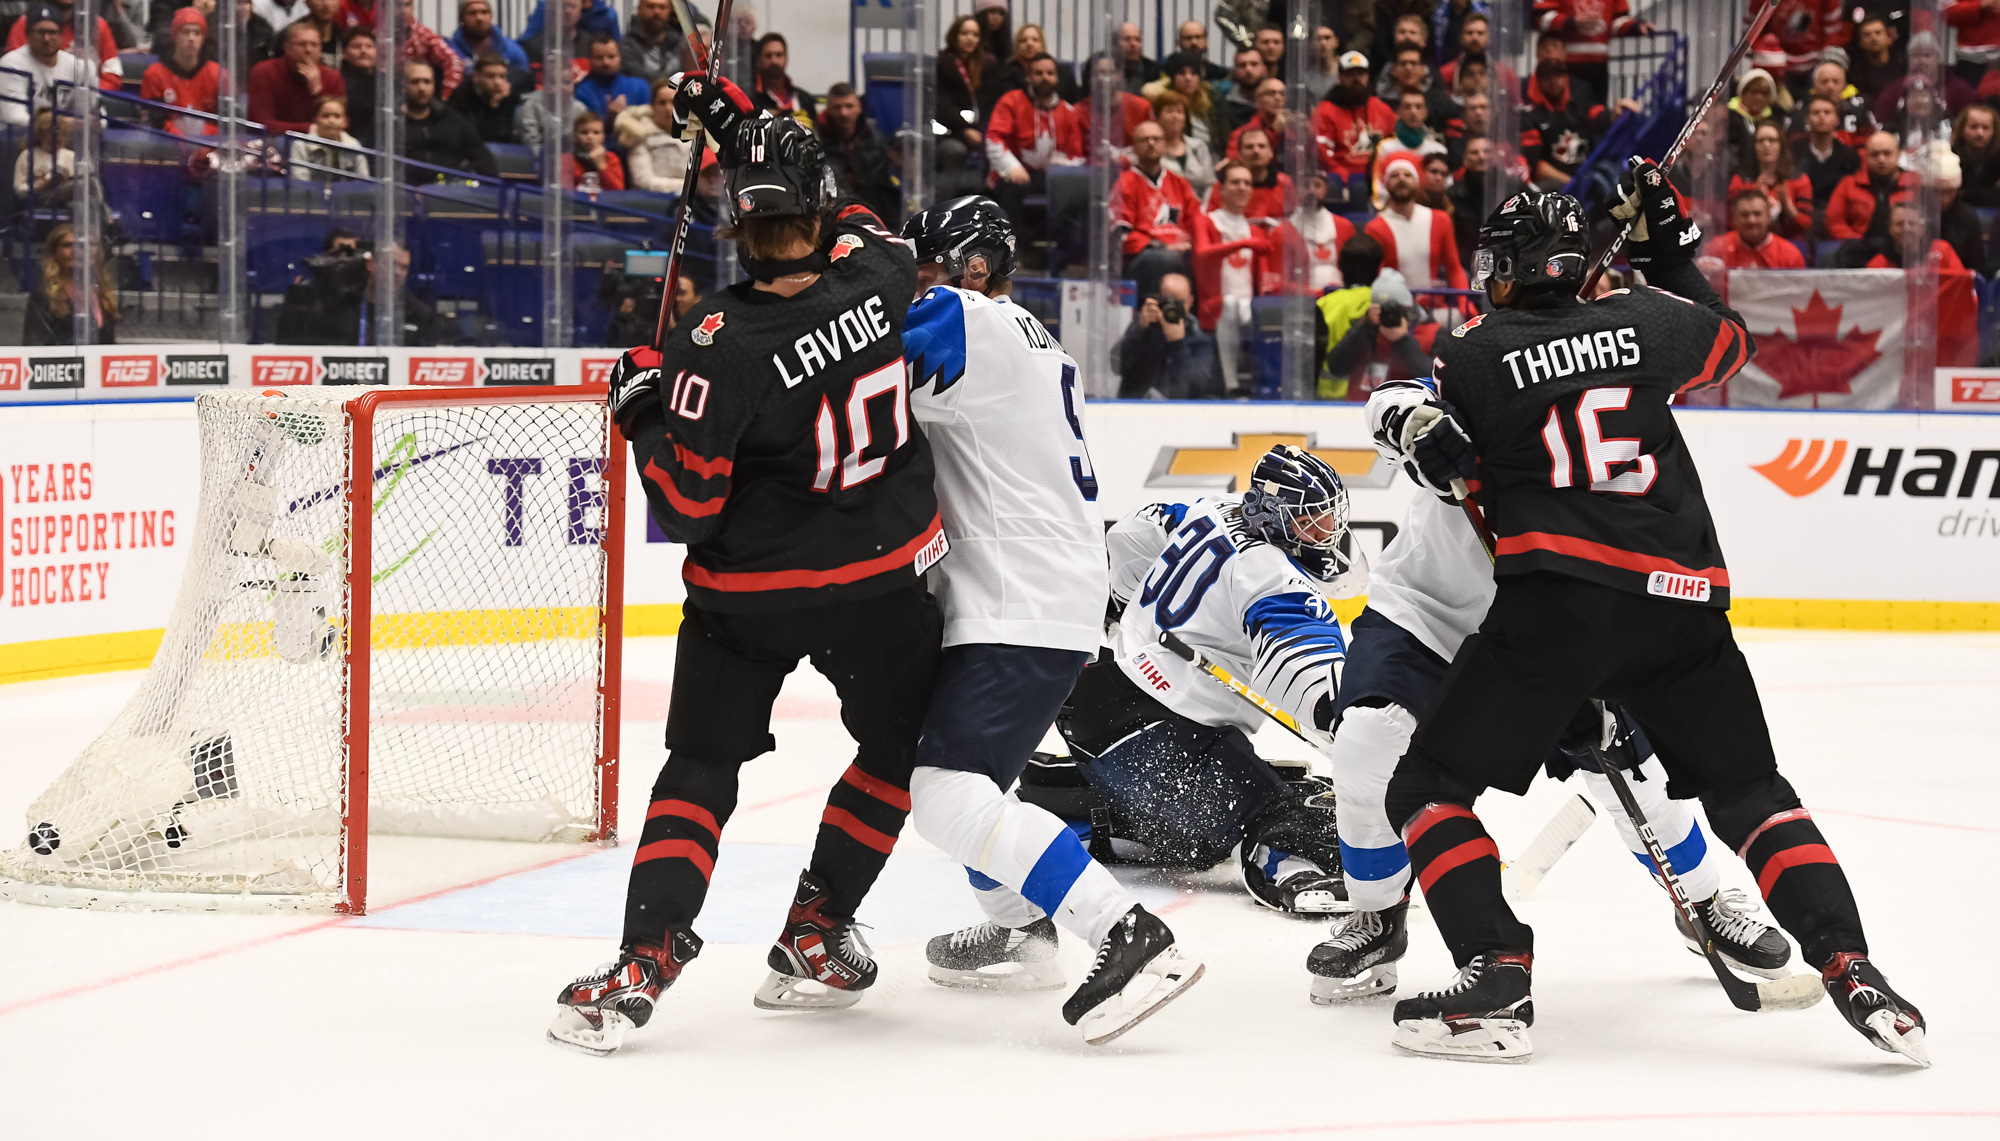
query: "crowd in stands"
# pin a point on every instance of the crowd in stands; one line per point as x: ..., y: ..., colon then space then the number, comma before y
x: 1368, y: 202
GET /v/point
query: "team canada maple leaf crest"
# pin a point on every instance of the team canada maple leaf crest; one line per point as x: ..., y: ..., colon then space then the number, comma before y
x: 1816, y: 359
x: 704, y: 333
x: 844, y: 245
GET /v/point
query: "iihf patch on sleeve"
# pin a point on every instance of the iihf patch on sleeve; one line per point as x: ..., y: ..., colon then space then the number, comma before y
x: 936, y: 549
x: 1688, y: 587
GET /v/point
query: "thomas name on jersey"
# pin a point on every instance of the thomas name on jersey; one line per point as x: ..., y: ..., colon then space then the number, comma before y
x: 1567, y: 356
x: 858, y: 327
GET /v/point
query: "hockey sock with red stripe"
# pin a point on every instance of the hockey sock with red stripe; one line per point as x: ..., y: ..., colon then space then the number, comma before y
x: 1797, y: 873
x: 677, y: 847
x: 864, y: 815
x: 1458, y: 866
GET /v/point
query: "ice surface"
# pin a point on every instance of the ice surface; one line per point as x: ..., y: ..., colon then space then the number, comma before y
x: 425, y: 1017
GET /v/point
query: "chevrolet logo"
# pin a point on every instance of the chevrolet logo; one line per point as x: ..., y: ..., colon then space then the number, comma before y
x: 1228, y: 469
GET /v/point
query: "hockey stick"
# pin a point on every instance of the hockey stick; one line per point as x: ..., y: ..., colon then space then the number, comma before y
x: 1715, y: 90
x: 709, y: 60
x: 1795, y: 992
x: 1556, y: 836
x: 1520, y: 877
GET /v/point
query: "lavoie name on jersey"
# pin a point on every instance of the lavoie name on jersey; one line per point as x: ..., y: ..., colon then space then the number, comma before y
x: 1567, y: 356
x: 850, y: 332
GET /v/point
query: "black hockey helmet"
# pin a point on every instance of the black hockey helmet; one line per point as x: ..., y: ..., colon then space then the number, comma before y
x: 1537, y: 239
x: 949, y: 233
x: 1297, y: 503
x: 781, y: 170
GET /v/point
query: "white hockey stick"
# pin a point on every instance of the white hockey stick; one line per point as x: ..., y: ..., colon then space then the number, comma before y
x: 1519, y: 877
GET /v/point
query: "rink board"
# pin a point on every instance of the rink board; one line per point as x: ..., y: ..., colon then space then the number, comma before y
x: 1830, y: 519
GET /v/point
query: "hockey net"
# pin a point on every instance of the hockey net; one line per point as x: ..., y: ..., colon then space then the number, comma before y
x: 471, y: 536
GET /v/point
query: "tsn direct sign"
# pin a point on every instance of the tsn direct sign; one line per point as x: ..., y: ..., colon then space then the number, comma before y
x: 1968, y: 389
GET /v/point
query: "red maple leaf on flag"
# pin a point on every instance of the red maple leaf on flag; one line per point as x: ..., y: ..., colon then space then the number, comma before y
x: 1816, y: 360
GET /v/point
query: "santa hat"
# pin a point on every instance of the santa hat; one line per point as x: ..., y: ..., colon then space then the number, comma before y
x: 1768, y: 53
x: 1402, y: 158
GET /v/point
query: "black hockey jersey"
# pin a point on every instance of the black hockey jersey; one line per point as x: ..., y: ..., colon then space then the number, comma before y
x: 1582, y: 470
x: 781, y: 449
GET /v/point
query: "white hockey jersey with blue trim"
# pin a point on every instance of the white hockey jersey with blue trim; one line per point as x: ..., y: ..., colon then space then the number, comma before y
x: 1002, y: 406
x: 1193, y: 569
x: 1433, y: 579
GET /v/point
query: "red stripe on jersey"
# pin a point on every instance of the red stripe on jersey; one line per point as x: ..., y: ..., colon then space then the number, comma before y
x: 801, y: 579
x: 1792, y: 858
x: 881, y: 790
x: 1432, y: 814
x: 676, y: 850
x: 701, y: 465
x: 693, y: 508
x: 1726, y: 338
x: 1599, y: 553
x: 857, y: 208
x: 1471, y: 850
x: 686, y: 811
x: 845, y: 821
x: 1743, y: 853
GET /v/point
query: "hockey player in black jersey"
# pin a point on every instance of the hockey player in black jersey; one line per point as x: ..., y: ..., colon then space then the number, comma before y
x: 773, y: 436
x: 1610, y: 585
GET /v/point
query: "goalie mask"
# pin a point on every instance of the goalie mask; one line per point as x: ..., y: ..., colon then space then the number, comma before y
x: 1536, y: 239
x: 1296, y: 502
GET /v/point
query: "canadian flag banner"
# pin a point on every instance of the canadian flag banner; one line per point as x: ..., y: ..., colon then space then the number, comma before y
x: 1825, y: 338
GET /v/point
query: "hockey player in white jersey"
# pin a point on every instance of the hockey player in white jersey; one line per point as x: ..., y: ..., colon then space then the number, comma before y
x: 1022, y: 596
x: 1246, y: 580
x: 1428, y: 593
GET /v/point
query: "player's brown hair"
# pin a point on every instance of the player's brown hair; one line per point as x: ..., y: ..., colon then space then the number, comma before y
x: 772, y: 237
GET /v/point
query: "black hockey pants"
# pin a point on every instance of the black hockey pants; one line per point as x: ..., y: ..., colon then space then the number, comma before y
x: 880, y: 653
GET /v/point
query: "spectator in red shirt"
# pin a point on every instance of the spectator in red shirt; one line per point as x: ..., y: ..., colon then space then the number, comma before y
x: 1154, y: 208
x: 1270, y: 118
x: 1978, y: 24
x: 1271, y: 195
x: 1805, y: 29
x: 1750, y: 244
x: 1927, y: 65
x: 1586, y: 28
x: 1348, y: 124
x: 1855, y: 210
x: 1906, y: 229
x: 420, y: 42
x: 183, y: 79
x: 1415, y: 239
x: 1030, y: 131
x: 589, y: 167
x: 1790, y: 193
x: 283, y: 91
x: 1229, y: 249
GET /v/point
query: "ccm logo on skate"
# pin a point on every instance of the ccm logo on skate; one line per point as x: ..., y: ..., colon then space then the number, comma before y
x: 1684, y: 586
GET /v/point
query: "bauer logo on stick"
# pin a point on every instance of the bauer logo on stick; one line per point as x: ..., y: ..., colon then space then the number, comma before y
x: 704, y: 333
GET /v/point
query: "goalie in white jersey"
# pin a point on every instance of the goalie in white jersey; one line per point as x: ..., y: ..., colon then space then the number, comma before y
x: 1246, y: 580
x: 1022, y: 595
x: 1428, y: 593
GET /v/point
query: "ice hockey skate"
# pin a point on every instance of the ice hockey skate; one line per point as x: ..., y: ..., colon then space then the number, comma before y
x: 1749, y: 946
x: 988, y: 956
x: 820, y: 962
x: 598, y: 1010
x: 1483, y: 1016
x: 1360, y: 960
x: 1882, y: 1016
x: 1138, y: 970
x: 1298, y: 891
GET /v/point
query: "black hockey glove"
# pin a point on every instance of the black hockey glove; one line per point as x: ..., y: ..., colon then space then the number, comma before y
x: 720, y: 109
x: 1664, y: 231
x: 1438, y: 446
x: 1600, y: 735
x: 635, y: 385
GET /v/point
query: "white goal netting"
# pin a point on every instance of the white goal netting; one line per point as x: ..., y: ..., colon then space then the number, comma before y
x: 232, y: 771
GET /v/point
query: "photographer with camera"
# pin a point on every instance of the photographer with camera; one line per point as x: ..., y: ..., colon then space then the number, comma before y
x: 632, y: 288
x: 331, y: 304
x: 1378, y: 346
x: 1164, y: 354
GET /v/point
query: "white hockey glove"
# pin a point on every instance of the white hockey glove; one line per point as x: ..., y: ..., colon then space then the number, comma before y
x: 1440, y: 451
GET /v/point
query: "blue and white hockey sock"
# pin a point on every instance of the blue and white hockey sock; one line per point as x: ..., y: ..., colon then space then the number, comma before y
x: 1279, y: 866
x: 1371, y: 739
x: 1028, y: 849
x: 1673, y: 821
